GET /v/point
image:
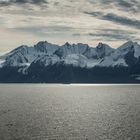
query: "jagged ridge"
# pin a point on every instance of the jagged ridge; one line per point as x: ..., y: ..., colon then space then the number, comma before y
x: 46, y: 55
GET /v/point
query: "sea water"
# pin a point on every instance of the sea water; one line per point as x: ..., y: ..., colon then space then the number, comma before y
x: 69, y: 112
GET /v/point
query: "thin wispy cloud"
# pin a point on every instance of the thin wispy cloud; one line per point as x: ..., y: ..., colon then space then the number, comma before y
x: 113, y: 34
x: 44, y: 30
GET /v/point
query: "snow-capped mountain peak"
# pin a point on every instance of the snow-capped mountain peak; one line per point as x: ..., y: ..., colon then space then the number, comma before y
x: 103, y: 50
x: 78, y: 54
x: 20, y: 48
x: 129, y: 46
x: 45, y: 47
x: 68, y: 49
x: 67, y: 44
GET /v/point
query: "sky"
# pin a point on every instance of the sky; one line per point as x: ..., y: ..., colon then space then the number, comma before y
x: 58, y: 21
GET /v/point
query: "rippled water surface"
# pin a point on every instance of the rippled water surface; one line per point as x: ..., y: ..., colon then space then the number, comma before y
x: 69, y: 112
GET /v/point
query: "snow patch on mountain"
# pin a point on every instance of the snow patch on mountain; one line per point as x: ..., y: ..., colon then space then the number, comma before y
x: 68, y: 49
x: 47, y: 60
x: 103, y: 50
x: 138, y: 77
x: 1, y: 63
x: 110, y: 62
x: 45, y: 47
x: 128, y: 46
x: 93, y: 62
x: 76, y: 60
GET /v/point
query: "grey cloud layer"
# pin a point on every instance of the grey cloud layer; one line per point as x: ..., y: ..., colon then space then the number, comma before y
x: 133, y: 5
x: 22, y: 2
x: 113, y: 34
x: 117, y: 19
x: 122, y: 20
x: 44, y: 30
x: 125, y: 5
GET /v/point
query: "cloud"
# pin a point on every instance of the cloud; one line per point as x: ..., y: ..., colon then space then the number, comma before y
x: 44, y: 30
x: 116, y: 19
x: 29, y: 1
x: 123, y: 5
x: 113, y: 35
x: 59, y: 30
x: 129, y: 5
x: 68, y: 20
x: 122, y: 20
x: 8, y: 2
x: 95, y: 14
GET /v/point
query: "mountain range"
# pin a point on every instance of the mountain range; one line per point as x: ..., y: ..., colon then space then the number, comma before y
x: 71, y: 63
